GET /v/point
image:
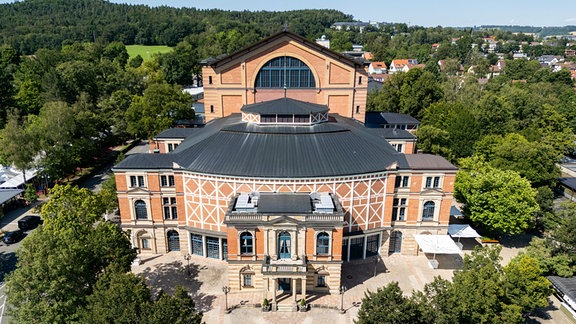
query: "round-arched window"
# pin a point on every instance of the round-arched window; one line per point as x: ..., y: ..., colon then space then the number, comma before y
x: 285, y: 72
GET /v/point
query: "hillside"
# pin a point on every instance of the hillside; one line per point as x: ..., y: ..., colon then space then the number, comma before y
x: 33, y: 24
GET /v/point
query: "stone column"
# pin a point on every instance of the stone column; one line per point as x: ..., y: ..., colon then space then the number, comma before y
x: 220, y: 249
x: 204, y: 246
x: 274, y: 289
x: 265, y: 287
x: 303, y: 288
x: 294, y: 289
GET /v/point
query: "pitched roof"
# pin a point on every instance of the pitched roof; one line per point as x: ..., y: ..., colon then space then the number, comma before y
x: 179, y: 133
x: 285, y: 106
x: 428, y: 162
x: 384, y: 118
x: 222, y: 59
x: 380, y: 65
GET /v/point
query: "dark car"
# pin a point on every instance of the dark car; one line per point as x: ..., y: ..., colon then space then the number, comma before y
x: 13, y: 237
x: 29, y: 222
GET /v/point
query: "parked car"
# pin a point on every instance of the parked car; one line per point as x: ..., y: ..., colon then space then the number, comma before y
x: 29, y: 222
x: 13, y: 237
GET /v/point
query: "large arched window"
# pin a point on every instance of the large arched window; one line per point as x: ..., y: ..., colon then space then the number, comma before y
x: 285, y: 72
x: 140, y: 208
x: 246, y: 243
x: 428, y: 212
x: 323, y: 243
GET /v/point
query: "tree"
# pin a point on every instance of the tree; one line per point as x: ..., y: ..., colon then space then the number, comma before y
x: 30, y: 193
x: 61, y: 261
x: 388, y: 305
x: 178, y: 309
x: 157, y: 110
x: 524, y: 284
x: 19, y: 145
x: 500, y: 201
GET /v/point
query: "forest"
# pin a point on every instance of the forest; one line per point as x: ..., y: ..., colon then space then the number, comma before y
x: 69, y: 91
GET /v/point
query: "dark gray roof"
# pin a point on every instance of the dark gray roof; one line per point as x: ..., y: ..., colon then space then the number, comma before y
x: 393, y: 133
x: 374, y: 85
x: 180, y: 133
x: 383, y: 118
x: 428, y: 162
x: 284, y: 203
x: 7, y: 194
x: 566, y: 286
x: 568, y: 182
x: 284, y: 106
x: 229, y: 146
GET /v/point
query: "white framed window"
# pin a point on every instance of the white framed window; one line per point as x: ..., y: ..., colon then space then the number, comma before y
x: 167, y: 181
x: 434, y: 182
x: 140, y: 209
x: 399, y: 206
x: 137, y: 181
x: 402, y: 181
x: 246, y: 243
x: 321, y: 281
x: 323, y: 243
x: 428, y: 211
x: 170, y: 209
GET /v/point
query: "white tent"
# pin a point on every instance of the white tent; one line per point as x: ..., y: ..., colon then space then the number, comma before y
x: 462, y: 230
x: 436, y: 244
x: 18, y: 179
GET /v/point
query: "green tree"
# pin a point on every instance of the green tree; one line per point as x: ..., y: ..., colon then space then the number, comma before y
x: 30, y: 193
x: 60, y: 262
x: 388, y: 305
x: 524, y: 284
x: 499, y: 200
x: 19, y: 144
x: 178, y: 309
x: 157, y: 110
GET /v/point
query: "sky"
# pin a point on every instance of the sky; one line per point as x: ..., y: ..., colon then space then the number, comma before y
x: 453, y: 13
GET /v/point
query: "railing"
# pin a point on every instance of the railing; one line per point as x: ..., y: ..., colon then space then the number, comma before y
x: 284, y: 266
x: 256, y: 217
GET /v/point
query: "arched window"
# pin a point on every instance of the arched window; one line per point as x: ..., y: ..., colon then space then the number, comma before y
x: 246, y: 243
x: 140, y: 208
x: 285, y: 72
x: 428, y: 212
x: 323, y: 243
x: 173, y: 240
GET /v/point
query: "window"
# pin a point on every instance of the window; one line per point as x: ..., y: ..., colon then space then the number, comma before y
x: 399, y: 209
x: 357, y: 109
x: 211, y: 108
x: 196, y: 244
x: 145, y: 243
x: 167, y: 181
x: 212, y: 247
x: 359, y: 80
x: 323, y: 243
x: 285, y: 72
x: 210, y: 80
x: 432, y: 182
x: 170, y: 210
x: 428, y: 212
x: 321, y: 281
x: 247, y: 280
x: 136, y: 181
x: 246, y: 243
x: 399, y: 147
x: 402, y: 182
x: 140, y: 208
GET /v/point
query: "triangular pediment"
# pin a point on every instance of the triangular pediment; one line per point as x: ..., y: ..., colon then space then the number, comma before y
x: 279, y: 39
x: 138, y: 190
x: 284, y: 220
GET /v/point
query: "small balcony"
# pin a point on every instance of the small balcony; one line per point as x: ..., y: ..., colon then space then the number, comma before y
x: 284, y: 266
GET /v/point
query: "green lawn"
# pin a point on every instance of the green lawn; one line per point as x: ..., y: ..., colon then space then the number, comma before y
x: 146, y: 51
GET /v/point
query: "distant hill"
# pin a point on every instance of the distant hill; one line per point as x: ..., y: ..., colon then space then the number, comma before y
x: 33, y: 24
x: 540, y: 31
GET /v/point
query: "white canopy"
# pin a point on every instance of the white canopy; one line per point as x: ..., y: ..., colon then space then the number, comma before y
x: 18, y: 179
x: 462, y: 230
x: 437, y: 244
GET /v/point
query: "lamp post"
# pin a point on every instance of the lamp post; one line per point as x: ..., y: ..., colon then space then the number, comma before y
x: 342, y: 289
x: 187, y: 258
x: 226, y: 290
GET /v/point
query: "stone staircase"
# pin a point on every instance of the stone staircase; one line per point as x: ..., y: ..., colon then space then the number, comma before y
x: 288, y: 307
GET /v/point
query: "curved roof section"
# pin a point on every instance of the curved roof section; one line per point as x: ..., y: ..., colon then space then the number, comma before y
x: 230, y: 147
x: 284, y: 106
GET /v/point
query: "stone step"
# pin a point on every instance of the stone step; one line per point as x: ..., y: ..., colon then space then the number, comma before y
x: 287, y: 308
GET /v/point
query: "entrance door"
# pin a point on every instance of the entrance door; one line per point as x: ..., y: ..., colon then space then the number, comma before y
x: 395, y: 242
x: 284, y: 284
x: 173, y: 241
x: 284, y: 245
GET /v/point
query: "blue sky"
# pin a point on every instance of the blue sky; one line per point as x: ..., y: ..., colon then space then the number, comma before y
x: 415, y: 12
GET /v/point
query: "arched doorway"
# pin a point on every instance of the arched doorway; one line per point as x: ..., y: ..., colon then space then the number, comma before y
x: 173, y: 241
x: 284, y: 245
x: 395, y: 242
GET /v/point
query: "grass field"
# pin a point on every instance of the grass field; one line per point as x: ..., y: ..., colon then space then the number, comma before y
x: 146, y: 51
